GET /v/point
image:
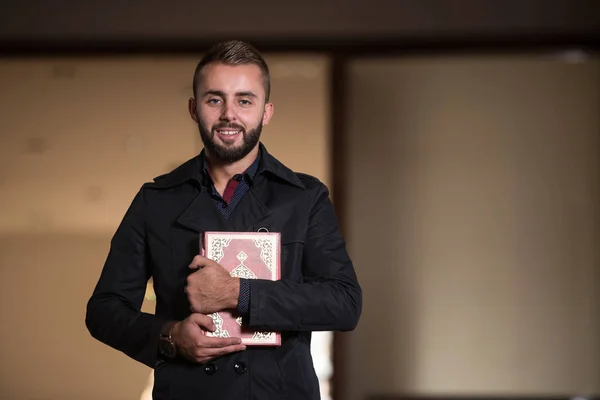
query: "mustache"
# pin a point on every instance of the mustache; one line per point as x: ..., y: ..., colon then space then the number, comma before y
x: 229, y: 126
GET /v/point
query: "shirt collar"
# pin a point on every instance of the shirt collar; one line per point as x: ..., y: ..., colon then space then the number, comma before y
x: 249, y: 174
x: 193, y: 170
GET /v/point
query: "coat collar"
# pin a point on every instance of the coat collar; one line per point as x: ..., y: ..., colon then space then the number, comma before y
x: 191, y: 170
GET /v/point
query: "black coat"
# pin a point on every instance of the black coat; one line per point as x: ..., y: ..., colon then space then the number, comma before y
x: 158, y: 238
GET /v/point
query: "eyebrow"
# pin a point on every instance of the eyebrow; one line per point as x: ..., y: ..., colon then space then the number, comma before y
x: 222, y: 94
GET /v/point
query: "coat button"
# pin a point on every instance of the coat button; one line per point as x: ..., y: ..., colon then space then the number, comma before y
x: 240, y: 367
x: 210, y: 368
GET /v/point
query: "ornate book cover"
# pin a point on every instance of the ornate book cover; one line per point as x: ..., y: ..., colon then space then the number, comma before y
x: 250, y: 255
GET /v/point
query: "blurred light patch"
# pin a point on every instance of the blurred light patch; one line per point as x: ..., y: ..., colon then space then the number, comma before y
x: 575, y: 56
x: 150, y: 295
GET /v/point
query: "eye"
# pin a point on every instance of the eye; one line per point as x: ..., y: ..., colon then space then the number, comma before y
x: 245, y: 102
x: 213, y: 101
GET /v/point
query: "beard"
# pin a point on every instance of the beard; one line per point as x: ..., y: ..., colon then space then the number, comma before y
x: 229, y: 154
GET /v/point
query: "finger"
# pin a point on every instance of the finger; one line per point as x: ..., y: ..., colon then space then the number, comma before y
x: 194, y: 305
x: 231, y: 349
x: 211, y: 342
x: 199, y: 262
x: 203, y: 321
x: 210, y: 353
x: 190, y: 282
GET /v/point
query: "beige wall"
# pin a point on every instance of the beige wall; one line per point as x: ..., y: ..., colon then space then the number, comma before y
x: 72, y: 127
x: 474, y: 211
x: 77, y: 139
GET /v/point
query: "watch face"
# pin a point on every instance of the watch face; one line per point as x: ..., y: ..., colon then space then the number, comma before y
x: 167, y: 348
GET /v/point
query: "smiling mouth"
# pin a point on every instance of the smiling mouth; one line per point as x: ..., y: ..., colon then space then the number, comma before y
x: 227, y: 132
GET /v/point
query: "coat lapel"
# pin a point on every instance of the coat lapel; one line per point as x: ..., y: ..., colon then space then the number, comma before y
x: 202, y: 215
x: 250, y: 210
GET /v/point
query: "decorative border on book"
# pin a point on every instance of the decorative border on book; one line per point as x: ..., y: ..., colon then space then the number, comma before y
x: 267, y: 242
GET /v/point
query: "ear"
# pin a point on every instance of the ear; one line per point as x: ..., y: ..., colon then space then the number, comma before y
x: 268, y: 113
x: 192, y: 109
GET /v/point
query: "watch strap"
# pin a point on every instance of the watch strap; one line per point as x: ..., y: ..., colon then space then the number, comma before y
x: 167, y: 329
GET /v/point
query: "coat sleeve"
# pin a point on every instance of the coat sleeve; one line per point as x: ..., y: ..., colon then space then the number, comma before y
x: 328, y: 299
x: 114, y: 314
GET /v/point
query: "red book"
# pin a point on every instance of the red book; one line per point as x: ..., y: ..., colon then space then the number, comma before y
x: 249, y: 255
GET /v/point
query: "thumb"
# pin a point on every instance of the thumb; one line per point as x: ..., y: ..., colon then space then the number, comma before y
x: 203, y: 321
x: 199, y: 261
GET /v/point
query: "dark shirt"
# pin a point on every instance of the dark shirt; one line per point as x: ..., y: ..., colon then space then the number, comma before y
x: 235, y: 190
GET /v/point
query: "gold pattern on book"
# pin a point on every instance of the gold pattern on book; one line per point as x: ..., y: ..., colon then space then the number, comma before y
x: 264, y: 336
x: 241, y: 271
x: 219, y: 331
x: 217, y: 248
x: 266, y: 251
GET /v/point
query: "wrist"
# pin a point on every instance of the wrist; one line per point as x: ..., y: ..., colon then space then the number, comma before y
x: 244, y: 297
x: 167, y: 329
x: 167, y: 344
x: 175, y: 334
x: 234, y: 293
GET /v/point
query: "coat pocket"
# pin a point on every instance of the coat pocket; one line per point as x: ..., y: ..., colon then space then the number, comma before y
x: 291, y: 261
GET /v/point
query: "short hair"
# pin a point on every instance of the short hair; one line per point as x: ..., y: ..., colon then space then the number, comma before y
x: 234, y: 52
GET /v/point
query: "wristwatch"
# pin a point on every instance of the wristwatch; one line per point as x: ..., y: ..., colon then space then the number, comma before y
x: 166, y: 346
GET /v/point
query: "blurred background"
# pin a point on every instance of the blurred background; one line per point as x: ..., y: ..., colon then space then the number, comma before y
x: 460, y: 139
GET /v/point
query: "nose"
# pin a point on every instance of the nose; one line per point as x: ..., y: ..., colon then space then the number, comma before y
x: 227, y: 112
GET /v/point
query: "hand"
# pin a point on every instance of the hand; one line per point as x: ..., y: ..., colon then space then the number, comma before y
x: 194, y: 345
x: 211, y: 288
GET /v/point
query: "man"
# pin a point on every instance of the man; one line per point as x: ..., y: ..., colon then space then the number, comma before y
x: 234, y: 184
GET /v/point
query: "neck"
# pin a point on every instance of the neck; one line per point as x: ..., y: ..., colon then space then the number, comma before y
x: 222, y: 172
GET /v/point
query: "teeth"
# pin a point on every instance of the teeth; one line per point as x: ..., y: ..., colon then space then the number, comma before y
x: 229, y: 133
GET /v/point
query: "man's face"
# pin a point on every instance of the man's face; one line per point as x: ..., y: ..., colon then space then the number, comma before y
x: 230, y: 110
